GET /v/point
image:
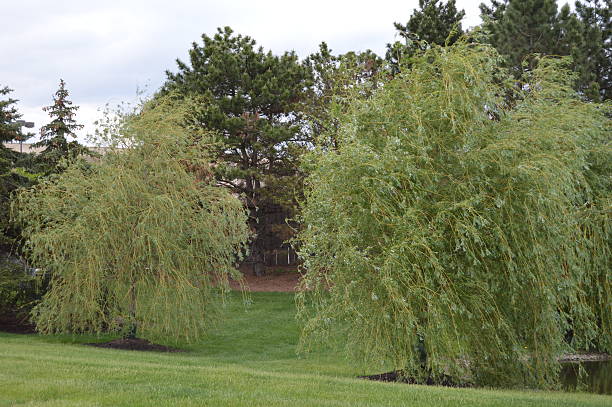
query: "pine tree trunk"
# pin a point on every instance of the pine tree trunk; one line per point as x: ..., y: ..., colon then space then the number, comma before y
x: 256, y: 223
x: 257, y: 246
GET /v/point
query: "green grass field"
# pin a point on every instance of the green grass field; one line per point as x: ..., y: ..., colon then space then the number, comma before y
x: 249, y: 360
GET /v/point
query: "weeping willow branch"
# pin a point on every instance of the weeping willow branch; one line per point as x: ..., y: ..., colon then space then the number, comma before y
x: 141, y: 240
x: 453, y: 226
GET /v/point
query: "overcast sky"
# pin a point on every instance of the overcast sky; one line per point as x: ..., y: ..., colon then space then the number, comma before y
x: 107, y: 50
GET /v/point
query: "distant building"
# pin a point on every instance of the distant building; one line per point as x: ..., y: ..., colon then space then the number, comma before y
x: 29, y: 148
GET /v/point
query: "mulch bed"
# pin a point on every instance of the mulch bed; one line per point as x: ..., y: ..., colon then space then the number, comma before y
x: 16, y: 324
x: 134, y: 344
x: 398, y: 377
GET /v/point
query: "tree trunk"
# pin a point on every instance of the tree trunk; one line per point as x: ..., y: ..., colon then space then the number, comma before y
x: 256, y: 223
x: 257, y: 246
x: 131, y: 333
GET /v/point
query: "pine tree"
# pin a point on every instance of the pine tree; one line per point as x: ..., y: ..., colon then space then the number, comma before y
x: 519, y: 29
x: 572, y: 42
x: 9, y: 129
x: 494, y: 12
x: 10, y: 180
x: 596, y: 18
x: 522, y: 28
x: 250, y: 99
x: 434, y: 22
x: 54, y: 136
x: 336, y: 78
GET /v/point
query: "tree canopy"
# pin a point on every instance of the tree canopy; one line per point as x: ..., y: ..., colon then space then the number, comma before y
x: 249, y: 100
x: 141, y: 240
x: 596, y: 19
x: 435, y: 22
x: 336, y: 79
x: 10, y: 180
x: 523, y: 29
x: 9, y: 129
x: 453, y: 234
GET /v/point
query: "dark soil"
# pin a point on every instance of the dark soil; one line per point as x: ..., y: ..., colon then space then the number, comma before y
x: 276, y: 279
x: 16, y: 324
x: 397, y: 376
x: 135, y: 344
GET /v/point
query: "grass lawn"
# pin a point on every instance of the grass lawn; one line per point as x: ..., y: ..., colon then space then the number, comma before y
x: 249, y: 360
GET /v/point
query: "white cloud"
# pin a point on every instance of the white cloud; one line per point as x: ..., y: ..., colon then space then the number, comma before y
x: 106, y: 50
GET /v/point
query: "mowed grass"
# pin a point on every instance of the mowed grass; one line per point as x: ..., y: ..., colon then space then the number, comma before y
x: 248, y: 360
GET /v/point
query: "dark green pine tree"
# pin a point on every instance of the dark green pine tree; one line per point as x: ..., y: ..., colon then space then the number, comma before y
x: 55, y: 136
x: 337, y: 78
x: 9, y: 129
x: 596, y: 18
x: 250, y: 99
x: 572, y: 42
x: 492, y: 14
x: 435, y: 22
x: 9, y: 179
x: 522, y: 28
x: 519, y: 29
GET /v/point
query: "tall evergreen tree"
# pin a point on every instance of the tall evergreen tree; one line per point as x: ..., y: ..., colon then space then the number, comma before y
x: 435, y: 22
x: 596, y: 18
x: 9, y: 129
x: 336, y: 78
x: 571, y: 41
x: 9, y: 179
x: 519, y: 29
x: 522, y: 28
x: 250, y: 99
x: 54, y: 136
x: 493, y: 13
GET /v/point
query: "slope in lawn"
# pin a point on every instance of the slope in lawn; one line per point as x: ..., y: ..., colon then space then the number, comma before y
x: 248, y: 360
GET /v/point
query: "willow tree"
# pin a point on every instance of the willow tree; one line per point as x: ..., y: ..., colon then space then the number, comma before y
x: 142, y: 240
x: 450, y: 234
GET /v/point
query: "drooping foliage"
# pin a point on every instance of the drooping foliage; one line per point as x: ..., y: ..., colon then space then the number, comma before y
x: 141, y: 240
x: 452, y: 234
